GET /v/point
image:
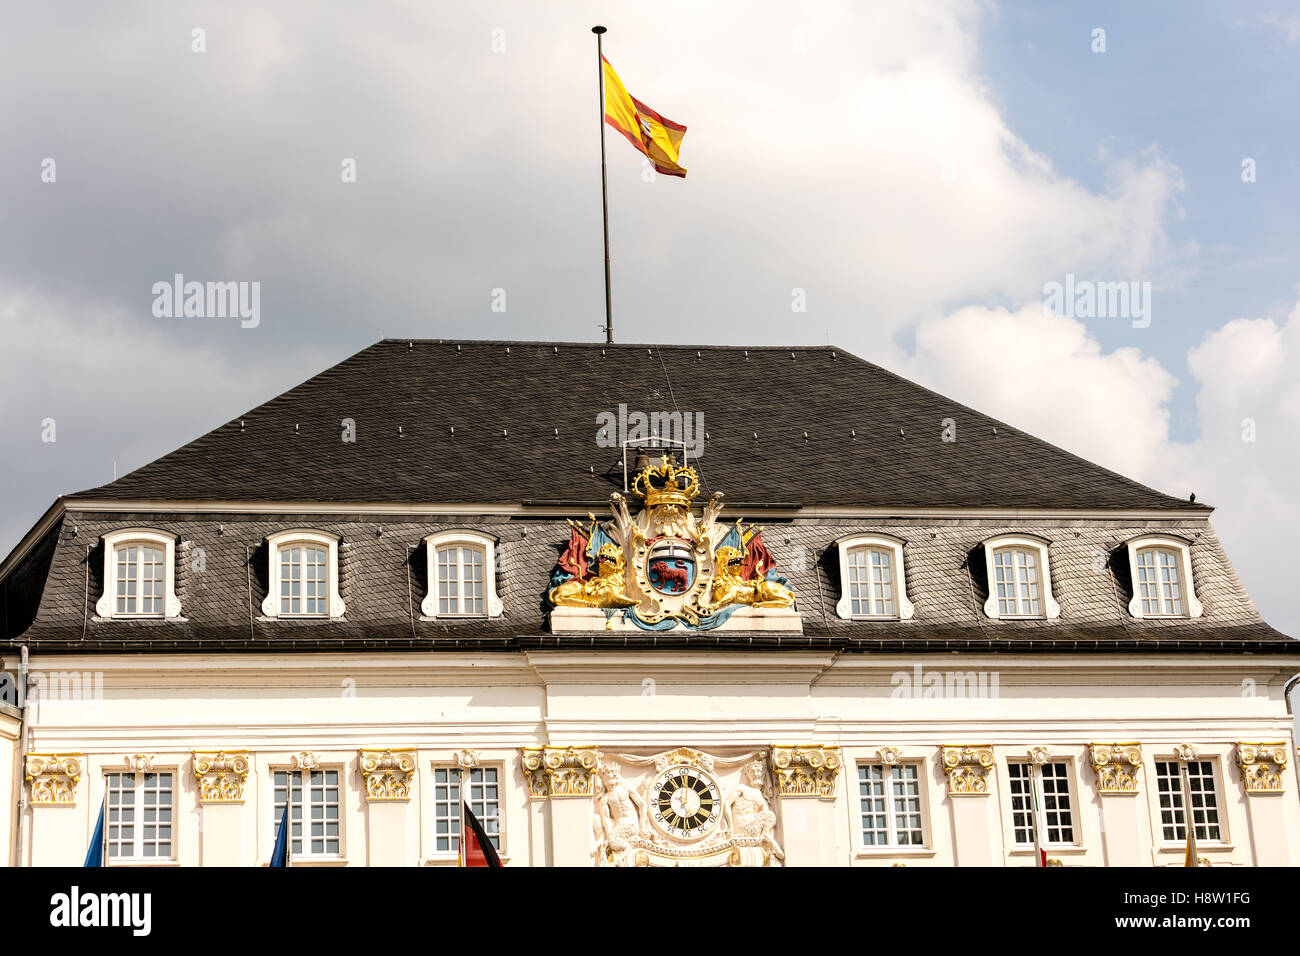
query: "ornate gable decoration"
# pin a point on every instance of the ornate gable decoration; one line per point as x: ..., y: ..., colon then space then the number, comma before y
x: 666, y: 568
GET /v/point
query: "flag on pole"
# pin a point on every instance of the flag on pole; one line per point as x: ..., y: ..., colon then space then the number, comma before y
x: 660, y: 139
x: 95, y: 854
x: 1040, y: 834
x: 280, y: 855
x: 1189, y: 820
x: 475, y: 847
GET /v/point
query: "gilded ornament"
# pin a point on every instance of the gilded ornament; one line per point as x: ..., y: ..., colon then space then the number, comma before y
x: 559, y: 771
x: 967, y: 768
x: 1262, y: 766
x: 221, y: 775
x: 1116, y: 766
x: 388, y: 773
x: 53, y: 778
x: 808, y: 771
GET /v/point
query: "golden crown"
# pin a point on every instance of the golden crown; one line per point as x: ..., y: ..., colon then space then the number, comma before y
x: 667, y: 484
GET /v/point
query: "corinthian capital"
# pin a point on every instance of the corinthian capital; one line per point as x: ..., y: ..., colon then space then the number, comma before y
x: 560, y: 771
x: 388, y: 773
x: 968, y: 769
x: 221, y: 775
x: 808, y: 771
x: 1262, y: 766
x: 1116, y: 766
x: 53, y: 778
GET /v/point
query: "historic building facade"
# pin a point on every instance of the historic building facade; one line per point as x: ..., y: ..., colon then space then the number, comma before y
x: 637, y: 605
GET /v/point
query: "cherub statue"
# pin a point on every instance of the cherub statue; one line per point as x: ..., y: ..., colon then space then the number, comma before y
x: 746, y: 812
x: 621, y: 814
x: 730, y: 588
x: 602, y: 589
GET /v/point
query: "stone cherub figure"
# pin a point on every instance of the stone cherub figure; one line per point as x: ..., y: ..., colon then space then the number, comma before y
x: 620, y: 815
x: 747, y: 812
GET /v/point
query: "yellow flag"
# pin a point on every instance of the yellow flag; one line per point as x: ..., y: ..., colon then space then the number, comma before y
x: 660, y: 139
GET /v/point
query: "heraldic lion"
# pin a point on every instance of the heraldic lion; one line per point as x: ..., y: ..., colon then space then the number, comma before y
x: 730, y: 588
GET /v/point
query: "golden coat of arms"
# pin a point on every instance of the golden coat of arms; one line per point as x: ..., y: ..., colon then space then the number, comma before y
x: 665, y: 567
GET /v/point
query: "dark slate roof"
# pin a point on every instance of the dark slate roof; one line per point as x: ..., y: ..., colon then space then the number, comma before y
x: 524, y: 420
x: 383, y: 579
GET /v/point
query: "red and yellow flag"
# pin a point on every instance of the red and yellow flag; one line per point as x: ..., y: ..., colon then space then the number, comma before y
x: 660, y: 139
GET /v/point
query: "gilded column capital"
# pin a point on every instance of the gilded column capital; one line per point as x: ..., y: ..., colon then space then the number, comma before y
x: 388, y: 773
x: 809, y: 771
x: 967, y: 767
x: 53, y: 778
x: 560, y: 771
x: 1262, y: 766
x: 1116, y: 767
x: 221, y: 775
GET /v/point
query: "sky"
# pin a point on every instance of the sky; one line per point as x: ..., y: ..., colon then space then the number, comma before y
x: 915, y: 176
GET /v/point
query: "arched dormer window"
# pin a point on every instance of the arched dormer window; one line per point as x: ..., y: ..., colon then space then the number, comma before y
x: 873, y: 584
x: 462, y: 576
x: 139, y: 575
x: 1161, y: 566
x: 303, y: 575
x: 1020, y: 578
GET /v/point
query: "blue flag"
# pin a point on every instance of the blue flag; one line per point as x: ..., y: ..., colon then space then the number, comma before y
x: 280, y: 855
x: 95, y: 855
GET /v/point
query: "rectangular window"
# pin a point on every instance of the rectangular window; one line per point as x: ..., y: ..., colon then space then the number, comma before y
x: 1016, y: 579
x: 460, y: 581
x: 304, y: 576
x: 871, y: 582
x: 890, y: 802
x: 483, y: 794
x: 1205, y: 803
x: 138, y: 816
x: 1158, y: 584
x: 317, y: 805
x: 139, y: 579
x: 1054, y: 792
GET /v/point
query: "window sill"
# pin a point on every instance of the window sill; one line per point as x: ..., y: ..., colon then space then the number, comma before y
x: 146, y: 864
x: 314, y: 861
x: 1050, y: 848
x: 1200, y: 848
x: 455, y: 860
x: 885, y: 852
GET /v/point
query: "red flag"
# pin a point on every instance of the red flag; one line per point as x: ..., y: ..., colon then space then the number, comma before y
x: 758, y: 560
x: 475, y: 847
x: 574, y: 558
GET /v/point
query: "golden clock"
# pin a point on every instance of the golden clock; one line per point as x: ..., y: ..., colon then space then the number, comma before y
x: 685, y: 802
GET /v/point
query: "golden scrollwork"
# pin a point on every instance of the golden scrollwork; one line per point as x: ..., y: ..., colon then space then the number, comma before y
x: 968, y: 769
x: 602, y: 589
x: 221, y: 775
x: 560, y: 771
x: 1262, y: 766
x: 388, y: 773
x: 808, y: 771
x: 1116, y: 767
x: 139, y: 763
x: 53, y: 778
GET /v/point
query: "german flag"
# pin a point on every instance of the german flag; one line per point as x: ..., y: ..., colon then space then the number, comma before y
x: 475, y: 847
x: 660, y: 139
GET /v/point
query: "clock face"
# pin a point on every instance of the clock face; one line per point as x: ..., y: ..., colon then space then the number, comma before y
x: 686, y: 802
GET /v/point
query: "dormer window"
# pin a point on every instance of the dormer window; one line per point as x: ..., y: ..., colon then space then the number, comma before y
x: 303, y: 575
x: 1162, y: 578
x: 462, y: 576
x: 872, y: 583
x: 1020, y: 578
x: 139, y: 575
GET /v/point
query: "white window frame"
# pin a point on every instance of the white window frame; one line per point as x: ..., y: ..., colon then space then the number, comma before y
x: 306, y: 856
x: 106, y: 606
x: 893, y: 847
x: 1071, y: 793
x: 1191, y: 606
x: 882, y: 542
x: 138, y: 823
x: 1220, y: 801
x: 1039, y: 547
x: 301, y: 536
x: 453, y: 853
x: 491, y: 602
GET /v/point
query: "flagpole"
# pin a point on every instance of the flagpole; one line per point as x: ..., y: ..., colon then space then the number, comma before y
x: 1189, y: 858
x: 604, y: 188
x: 1040, y: 858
